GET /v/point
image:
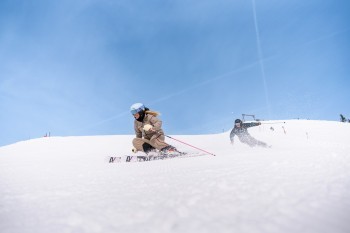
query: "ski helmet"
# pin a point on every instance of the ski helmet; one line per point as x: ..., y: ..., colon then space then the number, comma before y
x: 238, y: 121
x: 137, y: 108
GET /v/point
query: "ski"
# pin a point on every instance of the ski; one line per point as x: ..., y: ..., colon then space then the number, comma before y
x: 152, y: 157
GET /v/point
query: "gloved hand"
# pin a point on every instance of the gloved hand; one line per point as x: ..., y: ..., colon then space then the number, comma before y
x: 134, y: 150
x: 148, y: 127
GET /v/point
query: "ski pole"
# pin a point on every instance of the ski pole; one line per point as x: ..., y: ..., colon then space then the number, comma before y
x: 189, y: 145
x: 277, y: 122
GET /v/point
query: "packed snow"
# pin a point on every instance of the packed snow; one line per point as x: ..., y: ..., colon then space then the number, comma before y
x: 65, y: 184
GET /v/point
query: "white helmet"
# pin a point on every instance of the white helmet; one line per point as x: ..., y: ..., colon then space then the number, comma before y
x: 136, y: 108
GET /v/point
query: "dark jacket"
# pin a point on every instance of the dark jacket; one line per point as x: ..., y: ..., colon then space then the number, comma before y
x: 242, y: 132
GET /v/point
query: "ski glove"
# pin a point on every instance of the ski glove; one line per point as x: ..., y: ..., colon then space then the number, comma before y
x: 147, y: 127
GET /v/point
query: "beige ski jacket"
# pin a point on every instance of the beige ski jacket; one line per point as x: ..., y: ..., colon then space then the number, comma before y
x: 151, y: 119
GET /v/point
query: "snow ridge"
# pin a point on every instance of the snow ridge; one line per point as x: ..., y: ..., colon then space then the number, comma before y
x: 64, y: 184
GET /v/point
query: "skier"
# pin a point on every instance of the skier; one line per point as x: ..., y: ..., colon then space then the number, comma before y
x: 241, y: 131
x: 148, y: 130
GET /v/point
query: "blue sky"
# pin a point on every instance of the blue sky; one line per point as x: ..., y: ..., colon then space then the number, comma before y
x: 75, y: 67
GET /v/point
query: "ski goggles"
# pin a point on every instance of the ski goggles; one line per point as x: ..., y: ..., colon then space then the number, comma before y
x: 134, y: 111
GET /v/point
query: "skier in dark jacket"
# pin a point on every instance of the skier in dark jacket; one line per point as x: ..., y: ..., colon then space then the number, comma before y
x: 241, y: 131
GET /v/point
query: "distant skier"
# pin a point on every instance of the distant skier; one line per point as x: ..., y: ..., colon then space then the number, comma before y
x: 148, y: 130
x: 241, y: 131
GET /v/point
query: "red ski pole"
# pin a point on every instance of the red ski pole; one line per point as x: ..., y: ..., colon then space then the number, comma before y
x: 189, y: 145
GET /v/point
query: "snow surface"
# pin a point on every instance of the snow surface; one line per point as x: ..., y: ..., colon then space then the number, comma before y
x: 65, y: 184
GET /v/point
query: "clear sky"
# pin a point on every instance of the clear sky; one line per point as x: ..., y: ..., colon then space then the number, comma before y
x: 75, y: 67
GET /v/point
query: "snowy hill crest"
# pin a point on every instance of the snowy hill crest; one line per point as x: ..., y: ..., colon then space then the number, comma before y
x: 64, y: 184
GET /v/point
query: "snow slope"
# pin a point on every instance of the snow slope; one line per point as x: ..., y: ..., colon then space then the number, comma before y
x: 64, y: 184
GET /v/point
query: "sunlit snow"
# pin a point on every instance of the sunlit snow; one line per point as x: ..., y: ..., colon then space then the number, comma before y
x: 65, y: 184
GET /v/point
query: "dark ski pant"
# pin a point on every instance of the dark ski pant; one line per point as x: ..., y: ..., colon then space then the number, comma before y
x: 156, y: 141
x: 252, y: 142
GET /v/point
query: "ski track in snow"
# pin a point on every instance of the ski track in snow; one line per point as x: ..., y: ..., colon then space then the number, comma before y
x: 65, y: 184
